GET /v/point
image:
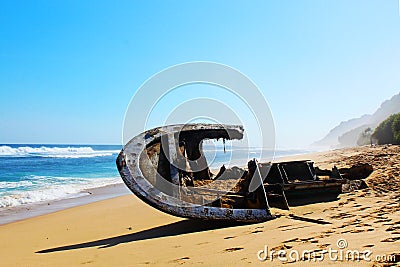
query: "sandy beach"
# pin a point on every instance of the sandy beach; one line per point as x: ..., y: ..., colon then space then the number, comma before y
x: 12, y: 214
x: 123, y: 231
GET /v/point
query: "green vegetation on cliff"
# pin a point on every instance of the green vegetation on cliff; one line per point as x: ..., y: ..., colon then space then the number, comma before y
x: 388, y: 131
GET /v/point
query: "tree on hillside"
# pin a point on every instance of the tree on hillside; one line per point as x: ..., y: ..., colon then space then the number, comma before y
x: 365, y: 138
x: 396, y: 129
x: 388, y: 132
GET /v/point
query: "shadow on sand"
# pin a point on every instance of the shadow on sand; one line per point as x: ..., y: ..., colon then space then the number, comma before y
x: 172, y: 229
x: 312, y: 198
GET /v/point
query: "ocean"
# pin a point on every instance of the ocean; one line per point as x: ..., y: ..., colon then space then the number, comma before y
x: 31, y: 174
x: 37, y: 173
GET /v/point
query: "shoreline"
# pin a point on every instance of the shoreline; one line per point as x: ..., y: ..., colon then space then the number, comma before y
x: 27, y: 211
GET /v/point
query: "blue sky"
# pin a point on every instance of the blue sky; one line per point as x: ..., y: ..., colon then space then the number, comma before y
x: 68, y: 69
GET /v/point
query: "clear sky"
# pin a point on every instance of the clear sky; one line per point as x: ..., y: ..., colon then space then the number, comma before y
x: 68, y: 69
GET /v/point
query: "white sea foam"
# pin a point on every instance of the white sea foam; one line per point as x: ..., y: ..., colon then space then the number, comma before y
x: 14, y: 185
x: 54, y: 152
x: 42, y: 188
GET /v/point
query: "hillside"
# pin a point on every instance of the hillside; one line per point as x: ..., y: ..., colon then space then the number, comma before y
x: 347, y: 132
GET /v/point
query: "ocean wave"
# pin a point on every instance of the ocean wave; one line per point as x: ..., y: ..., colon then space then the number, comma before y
x: 42, y: 188
x: 13, y: 185
x: 54, y: 152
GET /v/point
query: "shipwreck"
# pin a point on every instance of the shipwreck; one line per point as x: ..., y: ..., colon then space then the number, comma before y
x: 166, y: 168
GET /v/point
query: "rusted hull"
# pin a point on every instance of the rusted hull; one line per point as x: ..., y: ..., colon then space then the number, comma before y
x: 130, y: 160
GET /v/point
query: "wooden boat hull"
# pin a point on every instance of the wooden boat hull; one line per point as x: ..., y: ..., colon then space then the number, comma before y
x: 137, y: 173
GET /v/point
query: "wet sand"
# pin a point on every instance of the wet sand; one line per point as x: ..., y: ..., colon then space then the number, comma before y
x: 123, y: 231
x: 17, y: 213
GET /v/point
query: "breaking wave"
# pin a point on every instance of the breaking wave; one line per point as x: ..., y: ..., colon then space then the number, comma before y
x: 54, y: 152
x: 44, y: 188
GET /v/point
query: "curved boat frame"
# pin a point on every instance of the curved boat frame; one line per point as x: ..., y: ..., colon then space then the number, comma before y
x: 134, y: 170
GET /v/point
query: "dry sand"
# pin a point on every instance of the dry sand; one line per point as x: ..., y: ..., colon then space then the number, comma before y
x: 124, y: 231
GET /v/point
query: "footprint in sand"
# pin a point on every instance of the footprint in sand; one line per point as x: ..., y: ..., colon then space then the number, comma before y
x: 369, y: 246
x: 288, y: 262
x: 366, y: 216
x: 342, y: 216
x: 284, y: 226
x: 357, y: 231
x: 342, y: 226
x: 306, y: 239
x: 282, y: 247
x: 324, y: 245
x: 232, y: 249
x: 246, y: 260
x: 391, y: 239
x: 393, y: 228
x: 383, y: 220
x: 294, y: 228
x: 202, y: 243
x: 325, y: 234
x: 181, y: 260
x: 257, y: 230
x: 296, y: 239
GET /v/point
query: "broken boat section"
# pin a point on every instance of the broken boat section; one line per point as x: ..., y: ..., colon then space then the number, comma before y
x: 166, y: 168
